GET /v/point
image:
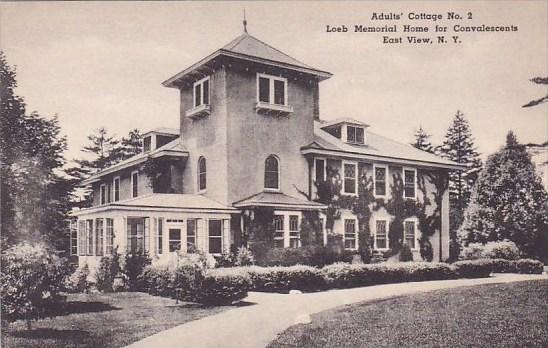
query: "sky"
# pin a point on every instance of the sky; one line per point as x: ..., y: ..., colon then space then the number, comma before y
x: 101, y: 64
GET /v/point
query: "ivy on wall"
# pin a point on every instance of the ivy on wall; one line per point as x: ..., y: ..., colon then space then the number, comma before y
x: 258, y: 230
x: 158, y: 172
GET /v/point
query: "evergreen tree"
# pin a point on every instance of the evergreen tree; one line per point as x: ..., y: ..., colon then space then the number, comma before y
x: 104, y: 150
x: 131, y: 145
x: 422, y: 141
x: 459, y: 146
x: 508, y: 202
x: 35, y: 190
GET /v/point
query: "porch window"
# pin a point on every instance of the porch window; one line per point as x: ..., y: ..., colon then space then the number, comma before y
x: 103, y: 194
x: 202, y: 173
x: 409, y: 231
x: 350, y: 177
x: 294, y: 232
x: 381, y: 234
x: 271, y: 89
x: 409, y: 177
x: 89, y: 235
x: 109, y: 236
x: 215, y: 237
x: 272, y: 173
x: 278, y: 231
x: 350, y: 234
x: 380, y: 181
x: 201, y: 92
x: 160, y: 237
x: 137, y: 233
x: 73, y: 237
x: 134, y: 184
x: 174, y: 239
x: 190, y: 235
x: 99, y: 235
x: 319, y: 169
x: 82, y: 237
x: 116, y: 189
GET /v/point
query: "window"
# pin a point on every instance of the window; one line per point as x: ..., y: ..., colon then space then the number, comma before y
x: 109, y: 236
x: 202, y: 172
x: 73, y: 237
x: 99, y: 234
x: 271, y: 89
x: 350, y: 234
x: 381, y: 234
x: 137, y: 233
x: 271, y: 173
x: 350, y: 177
x: 215, y: 237
x: 191, y: 235
x: 103, y: 194
x: 409, y: 233
x: 355, y: 135
x: 319, y: 169
x: 109, y: 192
x: 82, y: 237
x: 147, y: 144
x: 174, y: 239
x: 116, y: 189
x: 409, y: 182
x: 294, y: 232
x: 278, y: 231
x: 160, y: 237
x: 134, y: 184
x: 380, y: 181
x: 201, y: 92
x: 89, y: 236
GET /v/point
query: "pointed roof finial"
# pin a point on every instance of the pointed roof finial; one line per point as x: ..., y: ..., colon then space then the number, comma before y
x: 245, y: 23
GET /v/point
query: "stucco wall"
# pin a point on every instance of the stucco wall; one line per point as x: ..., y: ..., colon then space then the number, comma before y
x: 143, y: 186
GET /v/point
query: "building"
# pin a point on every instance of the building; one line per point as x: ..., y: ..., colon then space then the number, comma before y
x: 251, y: 136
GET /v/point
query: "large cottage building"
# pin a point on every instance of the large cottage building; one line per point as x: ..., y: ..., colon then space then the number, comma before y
x: 251, y: 136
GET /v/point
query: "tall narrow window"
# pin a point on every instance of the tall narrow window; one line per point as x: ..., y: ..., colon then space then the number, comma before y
x: 147, y: 144
x: 73, y: 226
x: 201, y: 92
x: 271, y: 89
x: 278, y: 231
x: 191, y: 235
x: 160, y: 237
x: 272, y: 173
x: 409, y: 177
x: 319, y: 166
x: 134, y: 184
x: 350, y: 234
x: 99, y: 235
x: 381, y: 235
x: 116, y: 189
x: 294, y: 232
x: 109, y: 236
x: 103, y: 194
x: 350, y: 177
x: 279, y: 92
x: 380, y: 181
x: 202, y: 174
x: 137, y: 228
x: 264, y: 90
x: 109, y: 192
x: 82, y: 237
x: 89, y: 236
x: 409, y: 231
x: 215, y: 237
x: 174, y: 239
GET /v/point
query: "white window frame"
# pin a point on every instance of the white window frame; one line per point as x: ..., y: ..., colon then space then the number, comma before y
x: 415, y: 221
x: 324, y: 167
x: 415, y: 183
x: 375, y: 247
x: 355, y: 164
x: 201, y: 83
x: 270, y: 189
x: 354, y: 142
x: 198, y: 188
x: 286, y: 214
x: 355, y: 232
x: 375, y: 166
x: 221, y: 237
x: 102, y: 194
x: 132, y: 193
x: 114, y: 188
x: 271, y: 79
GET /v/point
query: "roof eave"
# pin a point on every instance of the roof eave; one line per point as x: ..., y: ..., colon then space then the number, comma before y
x: 281, y: 205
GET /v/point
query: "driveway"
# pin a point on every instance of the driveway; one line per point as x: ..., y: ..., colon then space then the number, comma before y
x: 256, y: 325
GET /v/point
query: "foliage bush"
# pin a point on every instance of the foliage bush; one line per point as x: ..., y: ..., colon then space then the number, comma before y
x: 225, y: 260
x: 318, y: 256
x: 406, y: 254
x: 158, y: 281
x: 134, y: 264
x: 503, y: 266
x: 474, y: 251
x: 523, y: 266
x: 31, y: 281
x: 244, y: 257
x: 501, y: 250
x: 473, y: 268
x: 78, y: 280
x: 107, y: 270
x: 284, y: 279
x: 223, y: 286
x: 528, y: 266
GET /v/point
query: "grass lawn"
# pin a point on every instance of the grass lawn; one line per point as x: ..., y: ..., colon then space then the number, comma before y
x: 105, y: 320
x: 495, y: 315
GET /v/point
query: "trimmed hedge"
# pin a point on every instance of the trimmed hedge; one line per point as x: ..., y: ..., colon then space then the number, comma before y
x: 283, y: 279
x: 523, y: 266
x: 473, y: 268
x: 223, y: 287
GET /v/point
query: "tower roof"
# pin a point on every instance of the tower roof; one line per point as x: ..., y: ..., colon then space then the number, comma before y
x: 249, y: 48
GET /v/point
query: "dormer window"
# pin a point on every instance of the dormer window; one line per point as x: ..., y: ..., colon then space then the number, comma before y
x: 355, y: 135
x: 147, y: 144
x: 272, y: 93
x: 200, y: 99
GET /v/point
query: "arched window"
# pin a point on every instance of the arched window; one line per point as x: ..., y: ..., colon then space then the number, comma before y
x: 272, y: 173
x: 201, y: 174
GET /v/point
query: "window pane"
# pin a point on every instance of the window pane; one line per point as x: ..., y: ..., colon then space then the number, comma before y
x: 134, y: 183
x: 293, y: 223
x: 206, y: 91
x: 409, y: 228
x: 264, y: 90
x: 197, y: 95
x: 320, y: 170
x: 359, y: 136
x: 146, y: 144
x: 350, y: 134
x: 380, y: 234
x: 202, y: 174
x: 271, y: 174
x: 380, y: 181
x: 174, y: 239
x: 116, y: 189
x: 409, y: 178
x: 190, y: 233
x: 215, y: 228
x: 279, y: 92
x: 215, y: 245
x: 350, y: 178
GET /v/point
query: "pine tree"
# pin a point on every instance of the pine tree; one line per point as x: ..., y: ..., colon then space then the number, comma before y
x: 131, y: 145
x: 422, y: 141
x: 508, y: 202
x: 103, y: 149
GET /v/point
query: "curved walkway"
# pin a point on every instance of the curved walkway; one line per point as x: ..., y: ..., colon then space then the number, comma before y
x: 256, y: 325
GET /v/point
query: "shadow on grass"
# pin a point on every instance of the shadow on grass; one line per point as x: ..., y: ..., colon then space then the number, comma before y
x: 43, y: 333
x: 79, y: 307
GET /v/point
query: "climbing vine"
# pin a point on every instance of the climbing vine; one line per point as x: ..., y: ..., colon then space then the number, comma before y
x: 158, y: 172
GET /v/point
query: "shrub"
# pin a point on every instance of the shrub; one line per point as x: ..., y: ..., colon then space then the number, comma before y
x: 503, y: 266
x: 225, y: 260
x: 406, y: 254
x: 286, y: 257
x: 30, y: 282
x: 473, y: 268
x: 78, y: 280
x: 223, y: 286
x: 134, y: 264
x: 529, y: 266
x: 107, y: 270
x: 501, y: 250
x: 186, y: 281
x: 244, y: 257
x: 276, y: 279
x: 326, y: 255
x: 158, y: 280
x: 473, y: 251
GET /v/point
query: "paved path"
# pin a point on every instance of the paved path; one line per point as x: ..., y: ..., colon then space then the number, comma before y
x: 255, y: 326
